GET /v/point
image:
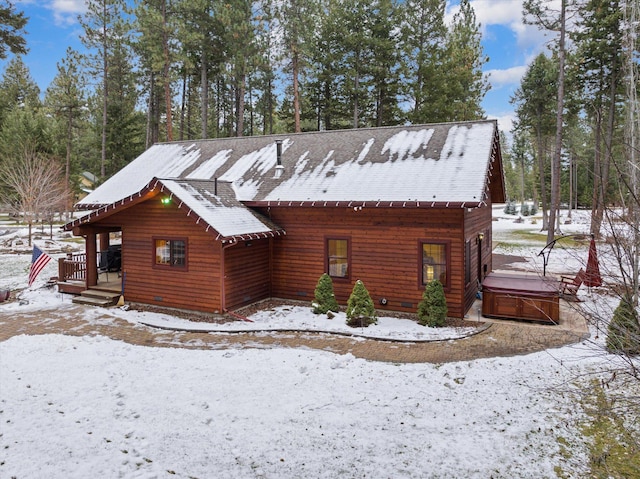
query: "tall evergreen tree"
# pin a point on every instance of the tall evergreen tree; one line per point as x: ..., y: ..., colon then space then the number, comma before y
x: 18, y: 88
x: 297, y: 19
x: 386, y: 64
x: 465, y: 83
x: 200, y: 37
x: 423, y: 51
x: 534, y: 102
x: 599, y: 44
x: 100, y: 31
x: 65, y: 98
x: 12, y: 32
x: 239, y: 40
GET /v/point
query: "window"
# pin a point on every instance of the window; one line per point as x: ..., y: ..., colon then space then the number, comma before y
x: 434, y: 263
x: 171, y: 253
x: 338, y: 258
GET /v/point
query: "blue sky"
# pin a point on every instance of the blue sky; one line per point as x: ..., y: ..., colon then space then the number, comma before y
x: 510, y: 44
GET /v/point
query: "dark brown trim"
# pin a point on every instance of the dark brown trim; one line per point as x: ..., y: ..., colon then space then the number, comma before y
x: 168, y: 267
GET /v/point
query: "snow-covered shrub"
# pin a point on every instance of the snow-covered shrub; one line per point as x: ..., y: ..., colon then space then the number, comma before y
x: 325, y: 299
x: 360, y: 309
x: 432, y: 310
x: 524, y: 209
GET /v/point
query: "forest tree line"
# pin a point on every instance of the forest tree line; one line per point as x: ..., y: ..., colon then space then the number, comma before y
x: 164, y: 70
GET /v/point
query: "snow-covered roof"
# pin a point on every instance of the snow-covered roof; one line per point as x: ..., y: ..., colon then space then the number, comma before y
x: 424, y: 164
x: 214, y: 203
x: 211, y: 203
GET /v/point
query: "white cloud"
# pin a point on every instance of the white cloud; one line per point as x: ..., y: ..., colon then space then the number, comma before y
x: 507, y: 13
x: 505, y: 122
x: 65, y: 12
x: 509, y: 76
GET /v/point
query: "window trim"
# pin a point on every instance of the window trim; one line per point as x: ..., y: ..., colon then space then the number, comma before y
x: 346, y: 278
x: 170, y: 267
x: 447, y: 254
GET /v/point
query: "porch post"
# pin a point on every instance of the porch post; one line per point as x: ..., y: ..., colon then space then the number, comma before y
x: 92, y: 262
x: 104, y: 241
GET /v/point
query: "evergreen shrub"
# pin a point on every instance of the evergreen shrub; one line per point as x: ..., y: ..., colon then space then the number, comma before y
x: 524, y: 209
x: 624, y: 330
x: 360, y: 309
x: 325, y: 299
x: 432, y: 310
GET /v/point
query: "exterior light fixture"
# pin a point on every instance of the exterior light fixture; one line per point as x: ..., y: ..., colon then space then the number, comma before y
x: 166, y: 200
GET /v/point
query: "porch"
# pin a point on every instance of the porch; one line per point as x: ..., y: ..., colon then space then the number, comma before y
x: 72, y: 275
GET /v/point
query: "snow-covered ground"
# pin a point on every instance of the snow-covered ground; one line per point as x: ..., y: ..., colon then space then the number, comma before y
x: 93, y: 407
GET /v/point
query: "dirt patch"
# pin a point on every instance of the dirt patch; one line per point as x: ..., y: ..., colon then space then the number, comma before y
x: 506, y: 261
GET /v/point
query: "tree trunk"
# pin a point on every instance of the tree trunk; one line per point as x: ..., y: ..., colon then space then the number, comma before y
x: 356, y: 112
x: 67, y: 166
x: 103, y: 156
x: 597, y: 211
x: 240, y: 91
x: 296, y: 92
x: 166, y: 81
x: 183, y: 104
x: 543, y: 182
x: 204, y: 93
x: 557, y: 157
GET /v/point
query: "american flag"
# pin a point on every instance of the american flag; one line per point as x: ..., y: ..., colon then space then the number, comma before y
x: 38, y: 261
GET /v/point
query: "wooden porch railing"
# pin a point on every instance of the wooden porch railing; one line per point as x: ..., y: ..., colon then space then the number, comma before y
x: 73, y: 267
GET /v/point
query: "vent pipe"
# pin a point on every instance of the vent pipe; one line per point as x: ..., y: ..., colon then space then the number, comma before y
x: 279, y: 168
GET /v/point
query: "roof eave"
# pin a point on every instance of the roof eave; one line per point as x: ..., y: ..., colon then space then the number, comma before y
x: 365, y: 204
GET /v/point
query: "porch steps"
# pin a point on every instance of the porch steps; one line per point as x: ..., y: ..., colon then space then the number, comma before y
x: 93, y: 297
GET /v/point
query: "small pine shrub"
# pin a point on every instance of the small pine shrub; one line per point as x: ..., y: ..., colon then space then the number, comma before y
x: 360, y: 309
x: 325, y: 299
x: 624, y: 330
x: 524, y: 209
x: 533, y: 209
x: 432, y: 310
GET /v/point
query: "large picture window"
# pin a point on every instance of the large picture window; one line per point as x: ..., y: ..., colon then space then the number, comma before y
x: 434, y: 263
x: 170, y: 253
x: 338, y: 257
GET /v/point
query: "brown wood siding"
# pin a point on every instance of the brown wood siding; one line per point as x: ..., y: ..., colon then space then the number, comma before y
x: 196, y: 287
x: 385, y: 252
x: 477, y: 221
x: 247, y: 273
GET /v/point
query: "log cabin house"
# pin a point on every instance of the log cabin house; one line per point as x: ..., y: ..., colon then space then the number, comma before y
x: 213, y: 225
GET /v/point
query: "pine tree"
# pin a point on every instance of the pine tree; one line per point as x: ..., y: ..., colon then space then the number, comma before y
x: 432, y: 310
x: 423, y: 51
x: 325, y: 299
x: 18, y: 88
x: 65, y: 99
x: 599, y: 45
x: 100, y: 24
x: 624, y: 329
x: 535, y: 109
x: 360, y: 309
x: 12, y: 24
x: 297, y: 19
x: 465, y: 83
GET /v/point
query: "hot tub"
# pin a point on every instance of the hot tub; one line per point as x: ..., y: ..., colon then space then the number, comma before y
x: 514, y: 296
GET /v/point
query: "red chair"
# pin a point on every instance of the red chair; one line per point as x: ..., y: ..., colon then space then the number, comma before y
x: 569, y: 285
